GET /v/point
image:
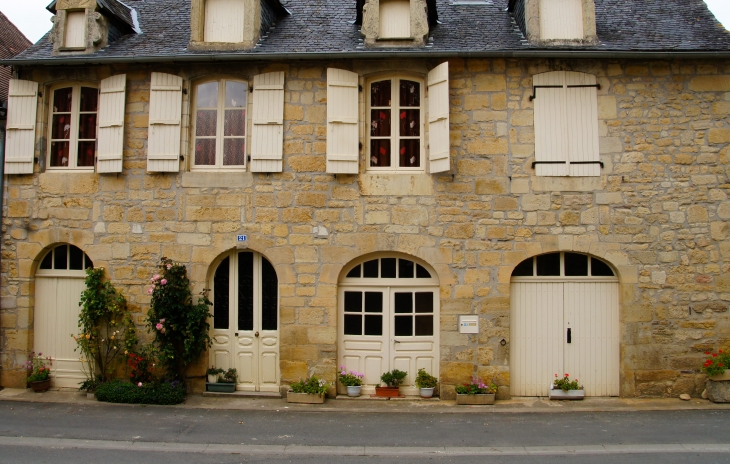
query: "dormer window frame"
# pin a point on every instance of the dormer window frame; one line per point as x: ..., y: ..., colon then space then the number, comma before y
x: 68, y: 15
x: 422, y: 17
x: 529, y: 15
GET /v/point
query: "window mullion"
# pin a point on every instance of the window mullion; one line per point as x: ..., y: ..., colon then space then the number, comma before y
x: 394, y: 124
x: 221, y: 109
x: 73, y: 149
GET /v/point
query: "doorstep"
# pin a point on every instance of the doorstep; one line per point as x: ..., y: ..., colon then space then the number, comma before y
x: 242, y: 394
x: 386, y: 398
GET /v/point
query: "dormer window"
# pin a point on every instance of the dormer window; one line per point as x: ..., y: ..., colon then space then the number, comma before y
x: 395, y: 19
x: 561, y: 19
x: 224, y: 21
x: 75, y: 33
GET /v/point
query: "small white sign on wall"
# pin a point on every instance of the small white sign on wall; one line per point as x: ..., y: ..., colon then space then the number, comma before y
x: 468, y: 324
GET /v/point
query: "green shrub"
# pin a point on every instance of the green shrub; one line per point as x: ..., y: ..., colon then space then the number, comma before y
x: 310, y: 385
x: 393, y: 378
x: 118, y: 391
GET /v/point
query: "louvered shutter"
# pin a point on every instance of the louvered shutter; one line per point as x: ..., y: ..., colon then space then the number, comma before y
x: 163, y: 142
x: 267, y: 136
x: 438, y: 119
x: 20, y: 143
x: 343, y: 144
x: 111, y: 124
x: 582, y: 124
x: 551, y: 130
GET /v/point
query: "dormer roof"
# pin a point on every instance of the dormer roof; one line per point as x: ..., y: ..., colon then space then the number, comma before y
x: 113, y: 8
x: 432, y: 12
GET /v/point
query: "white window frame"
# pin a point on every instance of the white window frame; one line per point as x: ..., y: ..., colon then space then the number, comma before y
x: 220, y: 108
x: 395, y: 115
x: 74, y: 138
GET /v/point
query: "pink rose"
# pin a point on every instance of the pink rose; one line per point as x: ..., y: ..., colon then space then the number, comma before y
x: 158, y: 327
x: 169, y: 266
x: 163, y: 281
x: 139, y: 384
x: 149, y: 290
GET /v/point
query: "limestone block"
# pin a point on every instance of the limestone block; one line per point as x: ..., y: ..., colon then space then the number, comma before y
x: 490, y: 82
x: 718, y: 391
x: 492, y: 186
x: 697, y: 214
x: 533, y: 202
x: 460, y: 231
x: 719, y: 136
x: 456, y: 373
x: 410, y: 215
x: 609, y: 198
x: 607, y: 107
x: 710, y: 84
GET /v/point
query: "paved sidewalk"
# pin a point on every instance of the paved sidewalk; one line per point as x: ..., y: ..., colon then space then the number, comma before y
x: 414, y: 405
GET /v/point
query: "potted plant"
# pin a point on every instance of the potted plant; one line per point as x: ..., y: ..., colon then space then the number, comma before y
x: 392, y: 380
x: 310, y: 391
x: 352, y: 380
x: 226, y: 383
x: 566, y: 389
x: 213, y: 373
x: 426, y: 382
x: 476, y: 392
x: 718, y: 378
x: 39, y: 375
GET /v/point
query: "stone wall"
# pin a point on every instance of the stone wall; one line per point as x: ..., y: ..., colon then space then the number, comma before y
x: 658, y: 213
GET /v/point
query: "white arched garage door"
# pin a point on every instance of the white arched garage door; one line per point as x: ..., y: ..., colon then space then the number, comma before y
x: 564, y: 319
x: 58, y: 285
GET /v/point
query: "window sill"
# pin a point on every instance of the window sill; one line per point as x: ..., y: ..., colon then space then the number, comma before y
x: 70, y: 170
x: 217, y: 179
x: 372, y: 184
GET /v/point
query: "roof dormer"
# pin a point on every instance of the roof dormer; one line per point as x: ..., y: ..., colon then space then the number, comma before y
x: 392, y: 23
x: 86, y: 26
x: 231, y: 24
x: 556, y: 22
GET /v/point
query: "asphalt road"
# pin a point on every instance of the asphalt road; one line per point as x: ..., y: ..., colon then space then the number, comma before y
x: 60, y: 433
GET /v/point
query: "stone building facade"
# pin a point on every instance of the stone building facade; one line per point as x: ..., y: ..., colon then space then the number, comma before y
x: 658, y: 214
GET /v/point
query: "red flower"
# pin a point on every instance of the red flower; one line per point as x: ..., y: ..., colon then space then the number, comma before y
x: 382, y: 150
x: 403, y: 115
x: 707, y: 352
x: 403, y: 151
x: 714, y: 355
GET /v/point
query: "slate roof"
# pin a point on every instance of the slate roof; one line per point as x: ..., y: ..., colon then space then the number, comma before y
x: 325, y: 28
x: 12, y: 42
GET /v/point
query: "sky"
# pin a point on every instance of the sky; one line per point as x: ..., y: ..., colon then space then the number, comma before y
x: 31, y: 17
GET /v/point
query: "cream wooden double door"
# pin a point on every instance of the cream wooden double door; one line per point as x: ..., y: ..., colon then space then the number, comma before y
x: 564, y: 327
x: 245, y: 329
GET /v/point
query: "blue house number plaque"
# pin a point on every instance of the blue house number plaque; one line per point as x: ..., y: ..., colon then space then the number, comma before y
x: 242, y: 238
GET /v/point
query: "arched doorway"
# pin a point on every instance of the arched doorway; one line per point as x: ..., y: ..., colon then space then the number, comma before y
x: 245, y: 329
x: 59, y: 282
x: 388, y: 318
x: 564, y: 319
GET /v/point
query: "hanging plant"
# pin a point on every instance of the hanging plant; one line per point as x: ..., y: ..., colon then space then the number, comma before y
x: 180, y: 327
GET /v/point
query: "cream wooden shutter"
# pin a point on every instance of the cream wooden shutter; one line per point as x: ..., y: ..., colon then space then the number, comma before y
x: 561, y: 19
x: 111, y: 124
x: 551, y: 130
x: 224, y: 20
x: 20, y: 143
x: 343, y: 143
x: 438, y: 119
x: 163, y: 143
x: 267, y: 135
x: 395, y: 19
x: 582, y: 124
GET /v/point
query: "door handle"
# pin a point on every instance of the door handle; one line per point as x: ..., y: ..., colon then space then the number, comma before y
x: 396, y: 341
x: 236, y: 334
x: 570, y: 338
x: 257, y: 334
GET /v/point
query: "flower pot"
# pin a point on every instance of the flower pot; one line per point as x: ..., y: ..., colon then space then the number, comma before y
x: 90, y: 396
x: 353, y: 390
x: 478, y: 399
x: 221, y: 387
x: 559, y: 394
x: 306, y: 398
x: 388, y: 392
x: 427, y: 392
x: 40, y: 385
x: 724, y: 376
x: 212, y: 378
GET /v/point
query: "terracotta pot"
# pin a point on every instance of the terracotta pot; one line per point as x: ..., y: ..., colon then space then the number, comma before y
x: 388, y: 392
x: 724, y: 376
x: 40, y: 385
x: 306, y: 398
x: 479, y: 399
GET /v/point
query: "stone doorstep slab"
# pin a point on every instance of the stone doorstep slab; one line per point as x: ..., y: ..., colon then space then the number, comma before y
x: 242, y: 394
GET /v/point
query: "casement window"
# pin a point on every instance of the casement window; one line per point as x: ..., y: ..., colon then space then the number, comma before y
x: 395, y: 19
x: 395, y: 116
x: 566, y: 124
x: 75, y: 30
x: 224, y: 21
x: 561, y: 19
x: 73, y: 115
x: 396, y: 124
x: 219, y: 125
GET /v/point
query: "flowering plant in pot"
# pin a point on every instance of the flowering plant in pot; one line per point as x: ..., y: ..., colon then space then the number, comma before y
x: 214, y: 373
x: 352, y: 380
x: 426, y: 382
x: 226, y: 383
x: 311, y: 390
x: 563, y: 388
x: 392, y: 380
x: 718, y: 378
x: 39, y: 375
x: 476, y: 392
